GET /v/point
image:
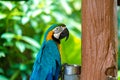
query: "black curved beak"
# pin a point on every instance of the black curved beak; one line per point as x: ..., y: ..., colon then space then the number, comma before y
x: 65, y: 33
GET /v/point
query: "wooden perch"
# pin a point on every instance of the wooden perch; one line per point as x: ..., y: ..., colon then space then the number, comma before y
x: 99, y: 39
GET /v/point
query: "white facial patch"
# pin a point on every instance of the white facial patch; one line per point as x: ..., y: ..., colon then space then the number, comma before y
x: 58, y: 31
x: 56, y: 35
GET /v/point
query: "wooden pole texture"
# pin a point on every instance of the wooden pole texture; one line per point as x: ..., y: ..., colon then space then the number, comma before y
x: 99, y: 39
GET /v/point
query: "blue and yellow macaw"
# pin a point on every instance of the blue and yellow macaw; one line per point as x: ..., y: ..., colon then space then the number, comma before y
x: 47, y: 65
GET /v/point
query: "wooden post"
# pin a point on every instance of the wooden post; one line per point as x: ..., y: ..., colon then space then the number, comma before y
x: 99, y: 39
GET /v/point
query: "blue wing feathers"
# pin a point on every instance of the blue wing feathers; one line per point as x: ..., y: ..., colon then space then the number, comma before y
x: 48, y: 63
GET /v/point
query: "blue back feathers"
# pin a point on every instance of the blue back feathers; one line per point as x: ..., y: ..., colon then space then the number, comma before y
x: 48, y: 63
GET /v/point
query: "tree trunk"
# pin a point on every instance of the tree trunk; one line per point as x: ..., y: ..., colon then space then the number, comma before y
x: 99, y: 39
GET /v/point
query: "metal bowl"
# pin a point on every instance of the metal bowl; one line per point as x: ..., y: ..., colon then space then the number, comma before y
x: 71, y: 69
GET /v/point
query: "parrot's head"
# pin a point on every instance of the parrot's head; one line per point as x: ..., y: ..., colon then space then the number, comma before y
x: 61, y: 32
x: 57, y: 32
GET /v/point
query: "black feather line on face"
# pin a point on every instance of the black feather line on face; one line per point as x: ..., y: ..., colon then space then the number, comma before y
x: 56, y: 40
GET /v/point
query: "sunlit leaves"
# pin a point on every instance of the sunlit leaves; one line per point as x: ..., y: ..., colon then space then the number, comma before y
x: 8, y: 36
x: 17, y: 29
x: 3, y: 77
x: 66, y: 6
x: 31, y: 41
x: 20, y: 46
x: 2, y: 15
x: 9, y: 5
x: 25, y: 20
x: 2, y: 54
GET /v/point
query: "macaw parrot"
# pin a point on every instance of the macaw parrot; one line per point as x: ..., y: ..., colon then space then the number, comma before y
x: 47, y: 65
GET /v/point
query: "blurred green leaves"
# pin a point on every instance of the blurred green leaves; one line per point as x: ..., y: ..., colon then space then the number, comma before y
x: 22, y: 28
x: 3, y: 77
x: 31, y: 41
x: 19, y: 38
x: 118, y: 17
x: 20, y: 46
x: 118, y: 37
x: 2, y: 54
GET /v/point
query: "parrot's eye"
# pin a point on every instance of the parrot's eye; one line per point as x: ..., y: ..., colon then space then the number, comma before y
x: 57, y: 30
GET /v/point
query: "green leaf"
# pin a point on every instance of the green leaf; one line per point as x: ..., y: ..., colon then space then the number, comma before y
x: 8, y: 43
x: 25, y: 20
x: 17, y: 29
x: 3, y: 77
x: 2, y: 54
x: 77, y: 5
x: 1, y: 70
x: 15, y: 75
x: 66, y: 6
x: 30, y: 47
x: 23, y: 67
x: 8, y: 36
x: 9, y: 5
x: 36, y: 12
x: 31, y: 41
x: 20, y: 46
x: 2, y: 15
x: 16, y: 12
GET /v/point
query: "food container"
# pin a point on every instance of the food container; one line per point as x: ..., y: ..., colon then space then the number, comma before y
x: 71, y: 72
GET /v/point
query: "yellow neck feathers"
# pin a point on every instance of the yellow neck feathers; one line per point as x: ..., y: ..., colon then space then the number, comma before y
x: 49, y: 36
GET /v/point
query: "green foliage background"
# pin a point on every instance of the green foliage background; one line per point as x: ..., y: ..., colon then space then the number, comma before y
x: 118, y: 17
x: 22, y: 27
